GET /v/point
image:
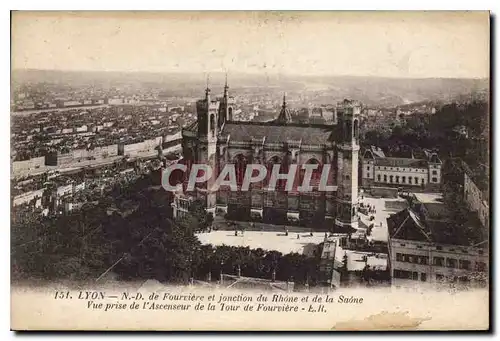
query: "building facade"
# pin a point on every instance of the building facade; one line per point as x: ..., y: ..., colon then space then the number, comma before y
x: 433, y: 263
x: 476, y: 198
x: 427, y: 246
x: 380, y: 170
x: 216, y: 139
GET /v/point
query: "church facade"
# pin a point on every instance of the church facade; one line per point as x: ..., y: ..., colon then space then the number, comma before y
x: 216, y: 139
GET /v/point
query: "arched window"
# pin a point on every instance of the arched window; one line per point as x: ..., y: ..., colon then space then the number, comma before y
x: 348, y: 132
x: 240, y: 164
x: 397, y: 179
x: 391, y: 177
x: 276, y: 160
x: 316, y: 174
x: 356, y: 129
x: 385, y: 178
x: 212, y: 123
x: 416, y: 180
x: 378, y: 177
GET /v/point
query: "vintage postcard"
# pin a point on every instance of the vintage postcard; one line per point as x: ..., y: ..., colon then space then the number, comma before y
x: 231, y: 171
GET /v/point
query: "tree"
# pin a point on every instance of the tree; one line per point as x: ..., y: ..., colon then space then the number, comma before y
x: 70, y: 246
x: 198, y: 220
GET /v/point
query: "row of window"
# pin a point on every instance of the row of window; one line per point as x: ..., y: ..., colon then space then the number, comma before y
x: 402, y: 274
x: 441, y: 261
x: 434, y: 172
x: 400, y: 169
x: 402, y: 257
x: 440, y: 248
x: 395, y: 179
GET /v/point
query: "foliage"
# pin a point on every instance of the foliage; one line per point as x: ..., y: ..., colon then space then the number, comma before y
x: 255, y: 263
x: 144, y: 244
x: 437, y: 132
x: 71, y: 246
x: 198, y: 220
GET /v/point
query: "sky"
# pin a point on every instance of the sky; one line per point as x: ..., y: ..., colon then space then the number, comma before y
x: 384, y: 44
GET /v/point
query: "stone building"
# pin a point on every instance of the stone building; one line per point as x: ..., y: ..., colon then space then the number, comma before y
x: 215, y: 138
x: 380, y: 170
x: 476, y: 193
x: 428, y: 246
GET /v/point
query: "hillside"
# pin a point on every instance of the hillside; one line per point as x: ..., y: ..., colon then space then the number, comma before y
x: 372, y: 91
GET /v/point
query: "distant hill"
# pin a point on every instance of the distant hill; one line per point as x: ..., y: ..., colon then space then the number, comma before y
x: 372, y: 91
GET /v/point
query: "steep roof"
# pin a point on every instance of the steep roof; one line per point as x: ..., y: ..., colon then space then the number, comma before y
x: 278, y: 133
x: 401, y: 162
x: 409, y: 225
x: 285, y: 115
x: 434, y: 210
x: 406, y: 225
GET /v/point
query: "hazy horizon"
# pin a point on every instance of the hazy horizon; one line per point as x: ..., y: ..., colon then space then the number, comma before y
x: 338, y: 44
x: 256, y: 73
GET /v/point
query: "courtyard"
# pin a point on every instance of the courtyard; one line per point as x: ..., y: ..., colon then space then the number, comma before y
x: 299, y: 239
x: 384, y: 207
x: 266, y: 240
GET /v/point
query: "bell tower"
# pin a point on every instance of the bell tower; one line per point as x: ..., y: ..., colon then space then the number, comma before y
x: 348, y: 161
x: 207, y: 112
x: 226, y: 106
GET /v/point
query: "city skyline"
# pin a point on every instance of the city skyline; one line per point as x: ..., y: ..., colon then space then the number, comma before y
x: 392, y: 45
x: 194, y: 165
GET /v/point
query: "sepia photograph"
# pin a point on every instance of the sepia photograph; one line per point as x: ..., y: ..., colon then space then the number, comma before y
x: 250, y: 170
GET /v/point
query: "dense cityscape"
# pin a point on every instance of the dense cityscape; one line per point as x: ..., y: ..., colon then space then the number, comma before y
x: 196, y: 170
x: 87, y: 201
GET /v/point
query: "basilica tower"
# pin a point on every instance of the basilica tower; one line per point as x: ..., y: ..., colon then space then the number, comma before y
x: 348, y: 160
x: 226, y: 106
x: 206, y: 150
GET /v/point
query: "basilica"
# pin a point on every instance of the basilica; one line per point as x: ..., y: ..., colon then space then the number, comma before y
x: 216, y: 139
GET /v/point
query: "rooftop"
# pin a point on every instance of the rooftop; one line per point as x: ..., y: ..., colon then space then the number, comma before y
x: 428, y: 198
x: 285, y: 115
x: 410, y: 224
x: 279, y: 133
x: 401, y: 162
x: 356, y: 260
x: 434, y: 211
